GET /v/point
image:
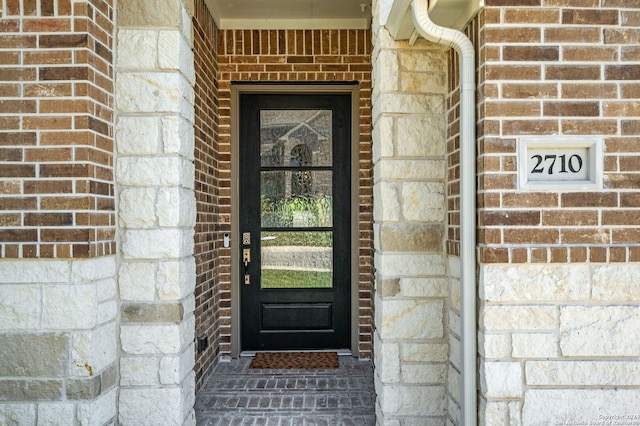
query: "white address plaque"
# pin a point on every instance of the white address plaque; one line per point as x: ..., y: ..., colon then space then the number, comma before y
x: 560, y: 163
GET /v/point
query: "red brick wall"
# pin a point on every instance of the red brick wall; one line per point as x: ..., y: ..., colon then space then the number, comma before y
x: 311, y: 56
x: 56, y: 129
x: 208, y: 251
x: 568, y: 68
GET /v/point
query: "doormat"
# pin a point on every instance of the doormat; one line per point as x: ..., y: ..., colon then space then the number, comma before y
x: 294, y: 360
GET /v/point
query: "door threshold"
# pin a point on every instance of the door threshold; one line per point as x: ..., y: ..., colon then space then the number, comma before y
x: 341, y: 352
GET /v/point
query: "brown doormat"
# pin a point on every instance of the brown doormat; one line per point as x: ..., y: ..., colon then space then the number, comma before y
x: 297, y: 360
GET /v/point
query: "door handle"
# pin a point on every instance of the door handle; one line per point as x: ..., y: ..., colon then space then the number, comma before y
x: 246, y: 256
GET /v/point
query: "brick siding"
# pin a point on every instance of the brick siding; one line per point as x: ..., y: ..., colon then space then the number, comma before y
x: 567, y: 69
x: 56, y: 132
x: 209, y: 228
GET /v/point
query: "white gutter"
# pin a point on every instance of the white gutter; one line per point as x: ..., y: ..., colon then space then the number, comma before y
x: 463, y: 46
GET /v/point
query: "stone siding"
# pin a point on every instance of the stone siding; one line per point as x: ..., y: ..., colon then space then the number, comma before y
x: 155, y: 175
x: 58, y: 341
x: 412, y: 285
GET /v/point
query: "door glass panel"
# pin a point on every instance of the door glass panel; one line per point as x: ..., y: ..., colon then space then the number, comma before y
x: 296, y: 199
x: 292, y: 259
x: 295, y: 138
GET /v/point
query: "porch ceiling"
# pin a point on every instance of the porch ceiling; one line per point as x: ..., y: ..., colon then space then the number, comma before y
x: 291, y: 14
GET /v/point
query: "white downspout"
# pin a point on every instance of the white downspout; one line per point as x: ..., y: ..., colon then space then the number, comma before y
x: 463, y: 46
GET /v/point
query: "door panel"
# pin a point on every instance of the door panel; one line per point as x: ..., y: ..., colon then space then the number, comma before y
x: 295, y: 214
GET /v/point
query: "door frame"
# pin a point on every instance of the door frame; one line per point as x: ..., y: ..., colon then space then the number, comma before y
x: 238, y: 88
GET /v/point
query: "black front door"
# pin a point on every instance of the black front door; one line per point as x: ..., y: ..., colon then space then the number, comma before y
x: 295, y: 246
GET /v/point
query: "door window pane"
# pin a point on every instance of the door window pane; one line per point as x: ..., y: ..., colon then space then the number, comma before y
x: 296, y: 199
x: 296, y: 259
x: 295, y: 138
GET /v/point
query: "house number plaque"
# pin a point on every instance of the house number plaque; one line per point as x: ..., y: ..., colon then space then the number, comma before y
x: 559, y: 163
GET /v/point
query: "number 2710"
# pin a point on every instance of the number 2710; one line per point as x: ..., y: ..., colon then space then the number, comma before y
x: 567, y: 164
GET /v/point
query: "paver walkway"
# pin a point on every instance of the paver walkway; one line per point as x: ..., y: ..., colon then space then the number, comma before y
x: 237, y: 395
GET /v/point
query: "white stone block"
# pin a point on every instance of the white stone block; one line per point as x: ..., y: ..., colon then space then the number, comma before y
x: 542, y: 282
x: 543, y: 407
x: 424, y: 287
x: 582, y: 373
x: 501, y: 379
x: 20, y: 307
x: 175, y: 369
x: 177, y: 136
x: 494, y: 413
x: 389, y: 211
x: 412, y: 169
x: 34, y: 271
x: 157, y: 339
x: 398, y: 265
x: 176, y: 279
x: 454, y: 384
x: 137, y: 281
x: 386, y: 69
x: 413, y: 400
x: 137, y: 49
x: 424, y: 352
x: 99, y: 411
x: 515, y: 413
x: 139, y: 371
x: 55, y: 413
x: 514, y: 318
x: 410, y: 319
x: 494, y: 346
x: 424, y: 61
x: 455, y: 352
x: 424, y: 374
x: 93, y: 351
x: 387, y: 356
x: 402, y: 103
x: 423, y: 201
x: 144, y: 171
x: 17, y: 414
x: 151, y: 407
x: 69, y: 306
x: 137, y: 208
x: 137, y: 135
x: 170, y: 43
x: 534, y: 345
x: 176, y: 207
x: 93, y: 269
x: 158, y: 243
x: 107, y: 311
x: 421, y: 136
x: 599, y: 330
x: 420, y: 82
x: 383, y: 140
x: 616, y: 282
x: 158, y: 92
x: 106, y: 289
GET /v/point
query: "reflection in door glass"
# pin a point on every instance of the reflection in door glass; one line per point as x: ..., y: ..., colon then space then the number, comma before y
x: 295, y: 138
x: 296, y: 199
x: 296, y: 259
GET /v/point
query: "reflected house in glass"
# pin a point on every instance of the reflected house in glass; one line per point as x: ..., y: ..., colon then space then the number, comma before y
x: 295, y: 139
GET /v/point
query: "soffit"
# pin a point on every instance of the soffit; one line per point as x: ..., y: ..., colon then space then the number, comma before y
x: 291, y: 14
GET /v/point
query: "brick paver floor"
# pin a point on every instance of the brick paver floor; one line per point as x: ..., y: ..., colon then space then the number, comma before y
x: 237, y: 395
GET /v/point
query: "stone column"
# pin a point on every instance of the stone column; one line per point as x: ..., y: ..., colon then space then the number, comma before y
x: 155, y: 177
x: 409, y: 85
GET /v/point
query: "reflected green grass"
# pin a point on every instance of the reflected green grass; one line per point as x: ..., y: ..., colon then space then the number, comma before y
x: 280, y: 278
